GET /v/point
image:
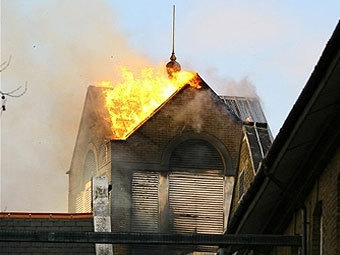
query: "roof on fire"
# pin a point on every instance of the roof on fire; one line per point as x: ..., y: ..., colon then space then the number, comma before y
x: 246, y: 110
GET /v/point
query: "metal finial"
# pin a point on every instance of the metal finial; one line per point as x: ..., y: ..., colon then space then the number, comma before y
x: 173, y: 30
x: 173, y: 65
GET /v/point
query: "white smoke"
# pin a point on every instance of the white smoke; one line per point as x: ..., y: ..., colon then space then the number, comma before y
x: 59, y: 48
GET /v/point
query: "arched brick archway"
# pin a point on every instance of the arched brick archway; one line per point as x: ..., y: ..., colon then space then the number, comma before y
x: 198, y: 166
x: 208, y: 141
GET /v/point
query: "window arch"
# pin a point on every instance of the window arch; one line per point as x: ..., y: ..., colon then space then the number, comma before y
x: 89, y: 167
x: 196, y: 154
x: 84, y: 197
x: 215, y: 150
x: 197, y: 166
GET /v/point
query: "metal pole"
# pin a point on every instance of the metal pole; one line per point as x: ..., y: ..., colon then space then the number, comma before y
x: 148, y: 238
x: 173, y: 29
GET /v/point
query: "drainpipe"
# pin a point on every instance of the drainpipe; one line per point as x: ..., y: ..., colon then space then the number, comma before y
x: 304, y: 231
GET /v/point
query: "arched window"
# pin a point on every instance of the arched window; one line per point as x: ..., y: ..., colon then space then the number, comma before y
x: 84, y: 200
x: 196, y: 188
x: 89, y: 166
x: 196, y: 154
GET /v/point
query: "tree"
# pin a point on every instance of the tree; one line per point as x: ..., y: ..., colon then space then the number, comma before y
x: 17, y: 92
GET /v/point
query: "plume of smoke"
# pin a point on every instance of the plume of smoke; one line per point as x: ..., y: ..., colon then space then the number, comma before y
x: 59, y: 47
x: 243, y: 87
x: 191, y: 113
x: 229, y: 87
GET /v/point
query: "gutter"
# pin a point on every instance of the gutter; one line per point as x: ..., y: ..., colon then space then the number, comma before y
x: 287, y: 132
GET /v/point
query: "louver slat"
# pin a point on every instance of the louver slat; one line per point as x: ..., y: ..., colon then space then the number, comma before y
x: 88, y: 198
x: 144, y: 216
x: 196, y: 207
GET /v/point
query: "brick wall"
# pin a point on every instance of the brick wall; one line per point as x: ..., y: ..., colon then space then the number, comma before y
x: 94, y: 134
x: 338, y: 216
x: 245, y: 166
x: 189, y: 112
x: 83, y: 224
x: 325, y: 193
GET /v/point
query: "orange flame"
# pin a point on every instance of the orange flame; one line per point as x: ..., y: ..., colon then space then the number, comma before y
x: 131, y: 102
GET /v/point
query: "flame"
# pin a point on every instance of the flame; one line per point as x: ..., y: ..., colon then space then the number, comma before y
x: 132, y: 101
x: 249, y: 119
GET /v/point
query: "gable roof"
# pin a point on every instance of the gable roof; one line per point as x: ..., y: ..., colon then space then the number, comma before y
x: 142, y: 121
x: 198, y: 79
x: 237, y: 107
x: 94, y: 116
x: 305, y: 143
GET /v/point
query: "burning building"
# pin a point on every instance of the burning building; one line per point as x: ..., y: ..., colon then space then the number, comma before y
x: 198, y: 163
x: 171, y: 161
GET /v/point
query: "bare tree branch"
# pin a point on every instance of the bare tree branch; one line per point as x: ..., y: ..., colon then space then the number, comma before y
x: 12, y: 92
x: 5, y: 64
x: 17, y: 92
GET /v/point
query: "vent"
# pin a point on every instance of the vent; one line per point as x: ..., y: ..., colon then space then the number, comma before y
x: 196, y: 202
x: 88, y: 197
x: 84, y: 200
x: 196, y: 154
x: 80, y: 203
x: 144, y: 202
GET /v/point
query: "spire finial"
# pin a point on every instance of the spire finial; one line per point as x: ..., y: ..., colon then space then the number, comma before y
x: 173, y: 65
x: 173, y: 31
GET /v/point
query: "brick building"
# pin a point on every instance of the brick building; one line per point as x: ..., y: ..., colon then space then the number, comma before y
x: 175, y: 172
x: 205, y: 164
x: 296, y: 189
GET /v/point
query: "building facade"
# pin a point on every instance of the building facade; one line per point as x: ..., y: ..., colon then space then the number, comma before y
x: 295, y: 191
x: 204, y: 164
x: 175, y: 173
